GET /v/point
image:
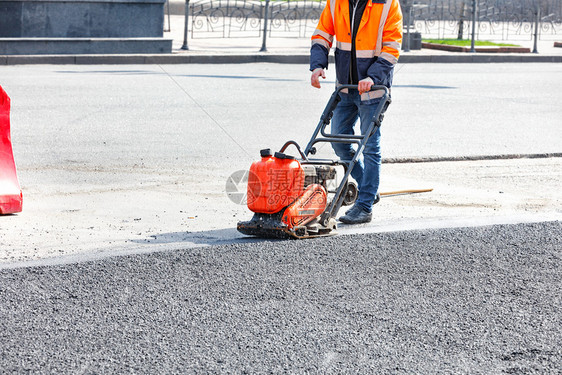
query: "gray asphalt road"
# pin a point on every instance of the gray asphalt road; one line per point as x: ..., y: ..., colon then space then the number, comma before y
x: 484, y: 300
x: 112, y: 156
x: 179, y: 116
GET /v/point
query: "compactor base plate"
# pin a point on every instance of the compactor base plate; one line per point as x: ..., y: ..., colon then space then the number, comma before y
x: 271, y: 226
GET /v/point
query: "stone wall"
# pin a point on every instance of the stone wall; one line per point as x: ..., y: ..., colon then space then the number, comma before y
x: 61, y: 21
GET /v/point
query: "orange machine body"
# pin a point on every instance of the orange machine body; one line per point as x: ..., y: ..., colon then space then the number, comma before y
x: 274, y: 183
x: 307, y: 207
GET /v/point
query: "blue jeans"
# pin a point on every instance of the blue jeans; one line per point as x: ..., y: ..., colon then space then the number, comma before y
x: 367, y: 170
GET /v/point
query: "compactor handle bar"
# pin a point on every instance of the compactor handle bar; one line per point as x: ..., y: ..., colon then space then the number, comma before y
x: 329, y: 111
x: 327, y: 117
x: 354, y: 87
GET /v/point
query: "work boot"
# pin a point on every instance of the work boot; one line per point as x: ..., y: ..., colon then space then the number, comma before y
x: 377, y: 199
x: 357, y: 215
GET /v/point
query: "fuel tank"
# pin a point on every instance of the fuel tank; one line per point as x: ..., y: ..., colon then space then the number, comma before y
x: 274, y: 182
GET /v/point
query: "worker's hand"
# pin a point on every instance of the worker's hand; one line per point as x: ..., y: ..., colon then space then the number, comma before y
x: 315, y: 77
x: 365, y: 85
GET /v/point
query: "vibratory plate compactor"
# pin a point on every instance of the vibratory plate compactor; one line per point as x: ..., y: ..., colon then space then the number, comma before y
x: 300, y: 197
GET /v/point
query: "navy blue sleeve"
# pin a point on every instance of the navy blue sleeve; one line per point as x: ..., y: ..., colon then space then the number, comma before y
x: 381, y: 71
x: 318, y: 57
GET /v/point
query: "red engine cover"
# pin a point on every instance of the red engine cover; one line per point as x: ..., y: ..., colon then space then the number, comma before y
x: 309, y: 206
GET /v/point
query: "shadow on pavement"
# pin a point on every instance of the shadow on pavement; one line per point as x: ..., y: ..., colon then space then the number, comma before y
x: 121, y: 72
x: 203, y: 238
x: 432, y: 87
x: 142, y: 72
x: 238, y: 77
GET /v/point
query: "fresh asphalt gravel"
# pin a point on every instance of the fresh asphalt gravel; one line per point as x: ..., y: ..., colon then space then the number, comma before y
x: 474, y: 300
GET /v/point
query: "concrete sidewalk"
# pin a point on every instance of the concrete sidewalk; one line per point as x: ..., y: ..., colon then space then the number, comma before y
x: 279, y: 50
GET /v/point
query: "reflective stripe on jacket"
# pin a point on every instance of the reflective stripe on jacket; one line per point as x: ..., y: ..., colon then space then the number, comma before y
x: 377, y: 42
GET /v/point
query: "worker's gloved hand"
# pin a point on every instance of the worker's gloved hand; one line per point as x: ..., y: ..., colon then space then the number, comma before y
x: 315, y: 77
x: 365, y: 85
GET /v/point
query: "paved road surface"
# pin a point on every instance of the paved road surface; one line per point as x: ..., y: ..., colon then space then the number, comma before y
x: 136, y: 158
x: 484, y: 300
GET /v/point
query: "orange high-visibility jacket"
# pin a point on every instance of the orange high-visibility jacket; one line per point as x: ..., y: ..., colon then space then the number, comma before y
x: 377, y: 43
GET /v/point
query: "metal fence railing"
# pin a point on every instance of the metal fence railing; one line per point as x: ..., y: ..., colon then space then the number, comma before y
x: 463, y: 19
x: 226, y: 18
x: 495, y: 19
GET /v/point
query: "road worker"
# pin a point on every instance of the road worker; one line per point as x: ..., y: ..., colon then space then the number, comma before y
x: 368, y: 38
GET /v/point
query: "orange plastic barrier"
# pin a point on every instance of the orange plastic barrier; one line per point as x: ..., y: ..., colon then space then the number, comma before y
x: 11, y: 198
